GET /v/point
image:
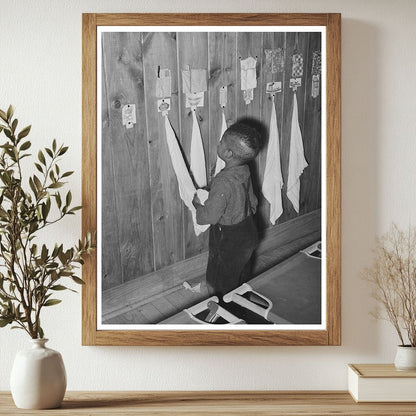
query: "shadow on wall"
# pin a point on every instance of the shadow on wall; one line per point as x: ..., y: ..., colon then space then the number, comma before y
x: 361, y: 96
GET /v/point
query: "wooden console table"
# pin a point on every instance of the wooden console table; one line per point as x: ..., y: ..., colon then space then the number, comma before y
x: 220, y: 403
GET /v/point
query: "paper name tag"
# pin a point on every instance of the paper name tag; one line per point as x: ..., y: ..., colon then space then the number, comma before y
x: 194, y: 80
x: 163, y: 106
x: 128, y: 115
x: 297, y: 65
x: 223, y: 96
x: 273, y: 87
x: 194, y: 100
x: 163, y: 84
x: 248, y: 96
x: 295, y: 83
x: 274, y: 60
x: 315, y: 86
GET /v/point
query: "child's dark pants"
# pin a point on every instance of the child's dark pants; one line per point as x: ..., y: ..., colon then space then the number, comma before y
x: 230, y: 250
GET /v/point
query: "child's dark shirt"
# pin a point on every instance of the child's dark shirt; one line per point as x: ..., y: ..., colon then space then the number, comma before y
x: 231, y: 198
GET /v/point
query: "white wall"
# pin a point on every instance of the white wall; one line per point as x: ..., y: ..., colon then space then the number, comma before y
x: 40, y: 73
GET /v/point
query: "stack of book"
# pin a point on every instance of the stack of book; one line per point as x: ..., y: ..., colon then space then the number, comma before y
x: 381, y: 383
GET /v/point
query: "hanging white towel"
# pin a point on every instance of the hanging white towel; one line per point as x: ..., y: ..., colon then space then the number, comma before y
x: 273, y: 179
x: 197, y: 154
x: 185, y: 184
x: 297, y: 162
x: 220, y: 163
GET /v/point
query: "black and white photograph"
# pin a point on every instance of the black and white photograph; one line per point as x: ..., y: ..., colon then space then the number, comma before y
x: 211, y: 167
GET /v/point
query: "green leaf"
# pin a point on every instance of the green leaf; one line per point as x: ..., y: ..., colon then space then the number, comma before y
x: 41, y: 157
x: 34, y: 249
x: 59, y: 287
x: 10, y: 112
x: 75, y: 209
x: 40, y: 332
x: 58, y: 199
x: 8, y: 133
x: 67, y: 174
x: 33, y: 187
x: 54, y: 145
x: 37, y: 183
x: 39, y: 167
x: 24, y: 132
x: 76, y: 279
x: 68, y: 199
x: 49, y: 152
x: 5, y: 321
x: 51, y: 302
x: 45, y: 211
x: 56, y: 185
x: 14, y: 125
x: 63, y: 150
x: 3, y: 115
x: 25, y: 145
x: 44, y: 253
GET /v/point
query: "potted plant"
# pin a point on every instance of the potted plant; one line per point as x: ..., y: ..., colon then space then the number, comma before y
x: 31, y: 273
x: 393, y: 277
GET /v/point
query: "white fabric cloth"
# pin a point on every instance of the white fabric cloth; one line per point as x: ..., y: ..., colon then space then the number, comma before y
x: 297, y: 162
x: 273, y: 178
x: 220, y: 165
x: 248, y: 73
x: 185, y: 184
x: 198, y: 169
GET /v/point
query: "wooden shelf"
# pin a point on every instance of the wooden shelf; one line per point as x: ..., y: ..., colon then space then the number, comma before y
x: 318, y: 403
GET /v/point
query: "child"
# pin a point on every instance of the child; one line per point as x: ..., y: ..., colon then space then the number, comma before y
x: 229, y: 209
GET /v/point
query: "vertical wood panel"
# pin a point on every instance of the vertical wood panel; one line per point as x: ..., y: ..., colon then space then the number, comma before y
x: 271, y: 40
x: 111, y: 255
x: 251, y: 44
x: 222, y: 71
x: 159, y: 50
x: 311, y: 181
x: 168, y: 227
x: 193, y: 51
x: 291, y: 38
x: 124, y: 80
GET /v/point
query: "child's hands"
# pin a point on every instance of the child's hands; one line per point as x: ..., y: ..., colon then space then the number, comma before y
x: 196, y: 201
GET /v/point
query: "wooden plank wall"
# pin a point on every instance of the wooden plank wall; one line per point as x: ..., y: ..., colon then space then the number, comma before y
x: 145, y: 226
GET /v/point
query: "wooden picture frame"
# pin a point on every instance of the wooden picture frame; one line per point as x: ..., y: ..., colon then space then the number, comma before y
x: 331, y: 333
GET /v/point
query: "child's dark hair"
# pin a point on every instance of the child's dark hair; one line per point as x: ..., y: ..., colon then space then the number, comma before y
x: 245, y: 141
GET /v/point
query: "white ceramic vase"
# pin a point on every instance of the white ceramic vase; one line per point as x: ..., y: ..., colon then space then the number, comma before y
x: 38, y: 377
x: 405, y: 358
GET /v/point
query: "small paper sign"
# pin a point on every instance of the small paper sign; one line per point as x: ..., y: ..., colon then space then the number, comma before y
x: 128, y: 115
x: 163, y: 106
x: 274, y: 87
x: 316, y: 63
x: 295, y: 83
x: 194, y: 100
x: 274, y: 60
x: 315, y: 86
x: 163, y: 84
x: 223, y: 96
x: 297, y: 65
x: 248, y: 96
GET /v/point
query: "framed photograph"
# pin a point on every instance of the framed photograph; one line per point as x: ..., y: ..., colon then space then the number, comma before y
x: 211, y: 173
